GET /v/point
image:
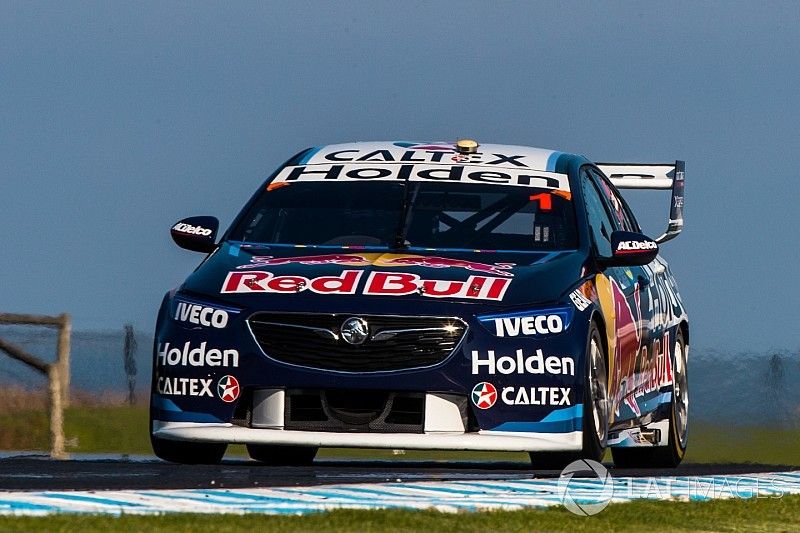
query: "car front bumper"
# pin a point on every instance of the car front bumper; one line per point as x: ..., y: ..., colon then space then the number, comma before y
x: 480, y: 441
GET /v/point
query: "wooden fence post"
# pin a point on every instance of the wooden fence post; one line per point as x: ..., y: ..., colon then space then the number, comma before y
x: 57, y: 373
x: 64, y: 332
x: 56, y: 412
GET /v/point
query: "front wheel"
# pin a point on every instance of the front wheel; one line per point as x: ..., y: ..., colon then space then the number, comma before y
x: 671, y: 455
x: 595, y: 410
x: 188, y: 453
x: 282, y: 455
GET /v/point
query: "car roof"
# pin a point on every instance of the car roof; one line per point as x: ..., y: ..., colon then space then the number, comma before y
x: 499, y: 155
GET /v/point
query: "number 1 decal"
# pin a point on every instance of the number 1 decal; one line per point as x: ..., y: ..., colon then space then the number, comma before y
x: 544, y: 199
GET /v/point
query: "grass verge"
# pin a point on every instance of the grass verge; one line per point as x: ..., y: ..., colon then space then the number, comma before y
x: 773, y: 515
x: 87, y: 429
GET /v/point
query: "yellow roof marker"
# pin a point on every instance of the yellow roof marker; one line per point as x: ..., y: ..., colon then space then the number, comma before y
x: 467, y: 146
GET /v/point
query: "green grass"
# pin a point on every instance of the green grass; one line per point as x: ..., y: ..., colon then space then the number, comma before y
x: 743, y: 444
x: 123, y: 429
x: 117, y: 429
x: 768, y: 515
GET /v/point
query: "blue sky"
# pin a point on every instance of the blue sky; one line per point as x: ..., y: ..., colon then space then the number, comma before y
x: 117, y: 119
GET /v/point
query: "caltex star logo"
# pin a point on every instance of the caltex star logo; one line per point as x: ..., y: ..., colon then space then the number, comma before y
x: 484, y: 395
x: 228, y: 389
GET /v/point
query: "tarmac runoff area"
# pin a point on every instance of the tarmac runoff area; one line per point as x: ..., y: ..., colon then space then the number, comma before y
x: 35, y: 485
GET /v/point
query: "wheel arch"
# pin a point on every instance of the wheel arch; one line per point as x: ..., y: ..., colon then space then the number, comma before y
x: 683, y: 327
x: 599, y: 321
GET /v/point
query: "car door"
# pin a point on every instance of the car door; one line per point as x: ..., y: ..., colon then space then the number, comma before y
x: 624, y: 319
x: 634, y: 281
x: 642, y: 288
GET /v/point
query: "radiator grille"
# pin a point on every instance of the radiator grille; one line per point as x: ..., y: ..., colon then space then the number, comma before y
x: 393, y: 343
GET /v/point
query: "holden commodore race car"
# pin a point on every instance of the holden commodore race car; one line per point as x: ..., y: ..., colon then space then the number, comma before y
x: 428, y: 296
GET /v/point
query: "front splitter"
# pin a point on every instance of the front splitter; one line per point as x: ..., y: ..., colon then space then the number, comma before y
x: 481, y: 441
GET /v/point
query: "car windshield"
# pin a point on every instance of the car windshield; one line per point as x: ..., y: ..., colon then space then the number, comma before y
x: 410, y: 215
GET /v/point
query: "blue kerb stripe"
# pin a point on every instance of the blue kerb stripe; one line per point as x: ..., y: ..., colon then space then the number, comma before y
x: 309, y: 155
x: 405, y: 498
x: 336, y: 499
x: 252, y: 498
x: 410, y: 497
x: 515, y: 490
x: 381, y: 492
x: 514, y: 493
x: 250, y: 502
x: 236, y: 495
x: 470, y: 500
x: 445, y: 490
x: 18, y: 506
x: 329, y: 494
x: 552, y: 160
x: 89, y: 499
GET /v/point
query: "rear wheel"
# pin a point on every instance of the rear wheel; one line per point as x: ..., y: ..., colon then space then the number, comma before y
x: 282, y: 455
x: 671, y: 455
x: 189, y: 453
x: 595, y: 410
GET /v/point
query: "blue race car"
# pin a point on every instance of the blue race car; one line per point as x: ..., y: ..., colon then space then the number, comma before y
x: 428, y: 296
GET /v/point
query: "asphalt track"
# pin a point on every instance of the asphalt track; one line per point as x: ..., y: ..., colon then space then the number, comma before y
x: 35, y: 473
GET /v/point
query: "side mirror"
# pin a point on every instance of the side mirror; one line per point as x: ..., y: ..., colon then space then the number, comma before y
x: 629, y: 248
x: 198, y: 234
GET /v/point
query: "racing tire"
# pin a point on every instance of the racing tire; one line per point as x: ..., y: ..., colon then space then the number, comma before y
x: 282, y: 455
x: 671, y: 455
x: 188, y: 453
x: 595, y: 410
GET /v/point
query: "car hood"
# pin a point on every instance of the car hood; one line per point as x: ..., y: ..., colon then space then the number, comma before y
x: 315, y: 279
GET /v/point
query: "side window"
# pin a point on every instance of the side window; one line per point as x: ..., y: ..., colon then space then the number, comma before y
x: 600, y: 223
x: 620, y: 212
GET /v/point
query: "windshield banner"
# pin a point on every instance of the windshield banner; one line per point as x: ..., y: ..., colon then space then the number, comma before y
x: 430, y: 173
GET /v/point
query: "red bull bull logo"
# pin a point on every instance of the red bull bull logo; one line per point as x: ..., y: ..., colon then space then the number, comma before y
x: 383, y: 260
x: 636, y: 373
x: 260, y: 261
x: 497, y: 269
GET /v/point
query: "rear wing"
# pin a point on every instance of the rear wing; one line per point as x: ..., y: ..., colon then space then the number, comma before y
x: 655, y: 176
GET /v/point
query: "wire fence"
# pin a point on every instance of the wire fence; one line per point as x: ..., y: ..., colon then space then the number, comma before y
x: 99, y: 360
